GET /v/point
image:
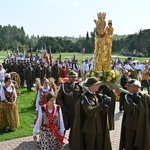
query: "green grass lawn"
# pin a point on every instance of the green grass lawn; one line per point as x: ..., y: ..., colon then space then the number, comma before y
x: 26, y: 115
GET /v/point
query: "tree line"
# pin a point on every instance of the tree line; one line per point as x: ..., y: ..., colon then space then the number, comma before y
x: 12, y: 37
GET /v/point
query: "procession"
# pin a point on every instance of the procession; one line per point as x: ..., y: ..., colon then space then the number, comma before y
x: 77, y: 103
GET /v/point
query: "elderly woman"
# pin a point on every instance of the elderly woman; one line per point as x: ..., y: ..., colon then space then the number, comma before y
x: 9, y: 118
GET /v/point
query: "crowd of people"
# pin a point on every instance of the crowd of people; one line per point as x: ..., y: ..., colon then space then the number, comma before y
x: 85, y: 112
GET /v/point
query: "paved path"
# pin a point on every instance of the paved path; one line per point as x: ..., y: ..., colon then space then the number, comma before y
x: 27, y: 143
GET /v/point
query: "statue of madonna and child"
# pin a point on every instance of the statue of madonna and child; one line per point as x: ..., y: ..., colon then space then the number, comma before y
x: 102, y: 55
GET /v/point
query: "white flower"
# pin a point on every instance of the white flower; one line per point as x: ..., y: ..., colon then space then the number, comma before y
x: 112, y: 71
x: 117, y: 73
x: 92, y: 74
x: 108, y: 79
x: 100, y: 74
x: 113, y: 76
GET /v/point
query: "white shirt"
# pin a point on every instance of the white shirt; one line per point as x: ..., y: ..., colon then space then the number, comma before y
x: 127, y: 67
x: 91, y: 64
x: 75, y: 67
x: 137, y: 66
x: 142, y: 67
x: 2, y: 74
x: 85, y: 67
x: 9, y: 90
x: 120, y: 66
x: 39, y: 121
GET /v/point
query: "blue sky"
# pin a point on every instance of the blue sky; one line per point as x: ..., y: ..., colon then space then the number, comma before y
x: 74, y: 17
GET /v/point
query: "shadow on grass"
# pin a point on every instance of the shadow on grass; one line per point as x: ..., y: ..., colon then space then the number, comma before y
x: 2, y: 132
x: 24, y: 91
x: 27, y: 109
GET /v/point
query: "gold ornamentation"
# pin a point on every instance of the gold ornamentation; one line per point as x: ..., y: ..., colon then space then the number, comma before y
x: 103, y: 43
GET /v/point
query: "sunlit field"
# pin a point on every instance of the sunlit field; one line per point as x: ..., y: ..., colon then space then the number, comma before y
x: 80, y: 57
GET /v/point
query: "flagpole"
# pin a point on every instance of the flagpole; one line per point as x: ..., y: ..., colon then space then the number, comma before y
x: 74, y: 57
x: 83, y: 54
x: 60, y: 56
x: 50, y: 56
x: 41, y: 52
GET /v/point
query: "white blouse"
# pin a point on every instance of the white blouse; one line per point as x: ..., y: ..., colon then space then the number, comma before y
x: 2, y: 74
x: 9, y: 90
x: 39, y: 120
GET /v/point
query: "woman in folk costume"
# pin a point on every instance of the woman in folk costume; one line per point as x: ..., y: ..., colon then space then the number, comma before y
x: 42, y: 92
x: 50, y: 125
x: 9, y: 117
x: 48, y: 87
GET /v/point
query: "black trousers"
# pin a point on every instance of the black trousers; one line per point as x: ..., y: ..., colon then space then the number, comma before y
x: 121, y: 101
x: 68, y: 122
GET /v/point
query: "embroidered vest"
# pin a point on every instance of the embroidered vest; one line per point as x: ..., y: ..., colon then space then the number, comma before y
x: 52, y: 122
x: 8, y: 95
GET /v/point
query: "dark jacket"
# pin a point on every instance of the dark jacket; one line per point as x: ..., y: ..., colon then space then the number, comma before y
x: 104, y: 89
x: 142, y: 127
x: 67, y: 97
x: 90, y: 118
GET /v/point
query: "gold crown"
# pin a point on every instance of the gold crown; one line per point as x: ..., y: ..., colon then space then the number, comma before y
x: 109, y: 21
x: 101, y: 15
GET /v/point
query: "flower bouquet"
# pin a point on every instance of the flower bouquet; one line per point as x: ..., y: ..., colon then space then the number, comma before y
x: 107, y: 76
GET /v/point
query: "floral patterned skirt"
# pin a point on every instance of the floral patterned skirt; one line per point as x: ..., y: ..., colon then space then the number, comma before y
x: 9, y: 116
x: 48, y: 141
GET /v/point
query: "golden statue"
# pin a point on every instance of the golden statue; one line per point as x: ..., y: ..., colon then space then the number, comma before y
x: 100, y: 25
x: 103, y: 43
